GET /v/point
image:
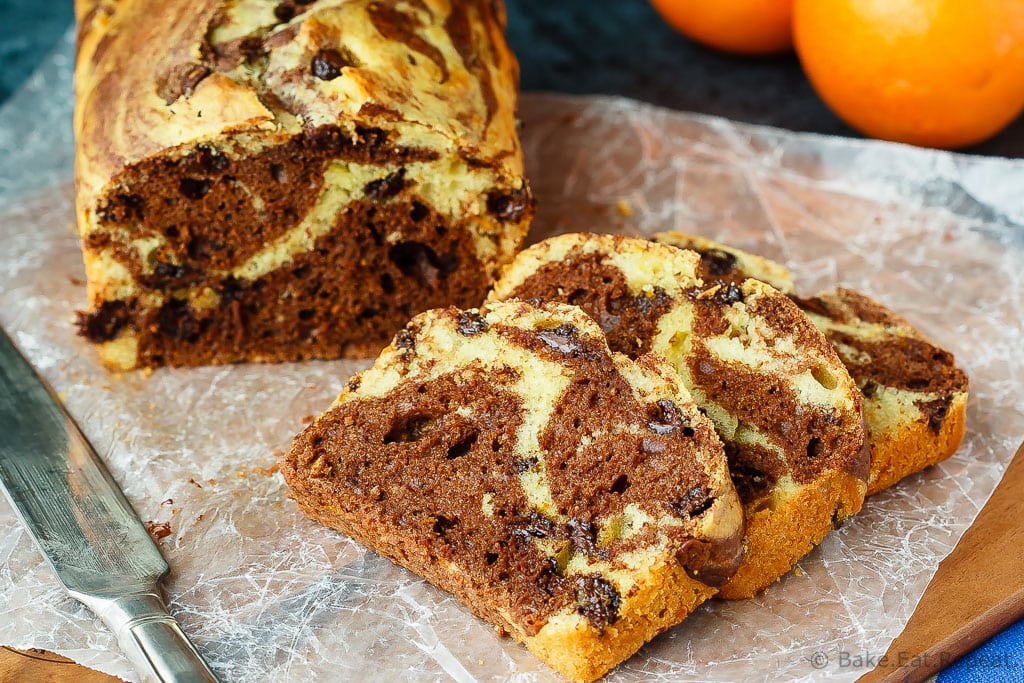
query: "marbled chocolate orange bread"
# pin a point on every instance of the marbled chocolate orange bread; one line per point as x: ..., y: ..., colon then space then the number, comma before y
x: 915, y: 395
x: 781, y: 400
x: 573, y: 497
x: 275, y: 180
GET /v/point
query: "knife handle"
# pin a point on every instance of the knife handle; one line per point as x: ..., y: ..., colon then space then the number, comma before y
x: 150, y: 637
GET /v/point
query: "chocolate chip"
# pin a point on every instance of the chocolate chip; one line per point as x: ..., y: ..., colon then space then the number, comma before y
x: 597, y: 600
x: 564, y: 339
x: 869, y: 389
x: 547, y: 577
x: 648, y: 303
x: 122, y: 208
x: 471, y: 323
x: 418, y: 212
x: 936, y: 412
x: 728, y: 294
x: 194, y: 188
x: 386, y: 187
x: 105, y: 323
x: 179, y: 80
x: 520, y: 465
x: 405, y: 341
x: 533, y: 526
x: 251, y: 48
x: 209, y: 160
x: 175, y: 320
x: 583, y: 536
x: 509, y: 206
x: 665, y: 417
x: 327, y: 64
x: 696, y: 502
x: 279, y: 173
x: 718, y: 262
x: 284, y: 11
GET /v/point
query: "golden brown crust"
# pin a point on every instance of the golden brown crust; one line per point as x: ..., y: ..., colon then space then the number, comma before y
x: 909, y: 448
x: 773, y: 548
x: 653, y: 610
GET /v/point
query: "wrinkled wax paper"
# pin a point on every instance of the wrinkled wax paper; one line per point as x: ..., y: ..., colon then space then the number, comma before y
x: 269, y: 595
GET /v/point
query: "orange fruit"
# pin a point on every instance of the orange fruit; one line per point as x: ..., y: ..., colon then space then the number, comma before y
x: 745, y: 27
x: 937, y: 73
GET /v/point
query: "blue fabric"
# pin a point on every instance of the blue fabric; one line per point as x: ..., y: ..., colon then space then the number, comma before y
x: 1000, y: 660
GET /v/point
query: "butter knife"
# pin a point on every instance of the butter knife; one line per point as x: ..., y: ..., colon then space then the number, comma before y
x: 85, y: 527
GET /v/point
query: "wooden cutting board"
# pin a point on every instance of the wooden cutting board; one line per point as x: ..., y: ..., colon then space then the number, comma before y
x: 977, y: 591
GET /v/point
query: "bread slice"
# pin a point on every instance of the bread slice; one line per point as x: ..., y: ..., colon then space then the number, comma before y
x: 269, y: 181
x: 573, y: 497
x: 781, y: 400
x: 915, y: 395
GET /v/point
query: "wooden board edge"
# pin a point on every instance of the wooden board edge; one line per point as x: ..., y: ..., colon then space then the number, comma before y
x: 959, y: 643
x: 928, y: 644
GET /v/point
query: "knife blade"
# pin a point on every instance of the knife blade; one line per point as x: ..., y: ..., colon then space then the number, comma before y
x: 85, y: 527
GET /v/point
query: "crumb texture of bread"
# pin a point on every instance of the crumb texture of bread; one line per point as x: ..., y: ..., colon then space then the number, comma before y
x: 270, y: 181
x: 786, y: 409
x: 573, y: 497
x: 915, y: 395
x: 722, y: 263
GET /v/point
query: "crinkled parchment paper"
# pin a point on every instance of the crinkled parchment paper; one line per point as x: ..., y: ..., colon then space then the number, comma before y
x: 269, y: 595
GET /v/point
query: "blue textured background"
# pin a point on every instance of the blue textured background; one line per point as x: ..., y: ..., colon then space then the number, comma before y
x: 619, y: 48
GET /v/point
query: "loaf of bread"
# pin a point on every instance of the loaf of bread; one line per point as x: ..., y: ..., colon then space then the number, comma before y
x: 272, y: 181
x: 915, y: 395
x: 573, y: 497
x: 786, y: 409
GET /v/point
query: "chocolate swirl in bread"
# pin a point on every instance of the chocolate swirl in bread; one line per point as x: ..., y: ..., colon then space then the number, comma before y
x: 782, y: 402
x: 573, y: 497
x: 284, y: 180
x: 915, y: 395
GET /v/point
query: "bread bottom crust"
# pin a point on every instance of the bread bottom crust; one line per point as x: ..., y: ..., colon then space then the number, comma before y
x: 583, y: 654
x: 915, y: 446
x: 786, y: 526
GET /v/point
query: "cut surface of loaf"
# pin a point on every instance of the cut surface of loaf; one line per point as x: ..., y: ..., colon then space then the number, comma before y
x: 272, y: 181
x: 786, y: 409
x: 573, y: 497
x: 915, y: 395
